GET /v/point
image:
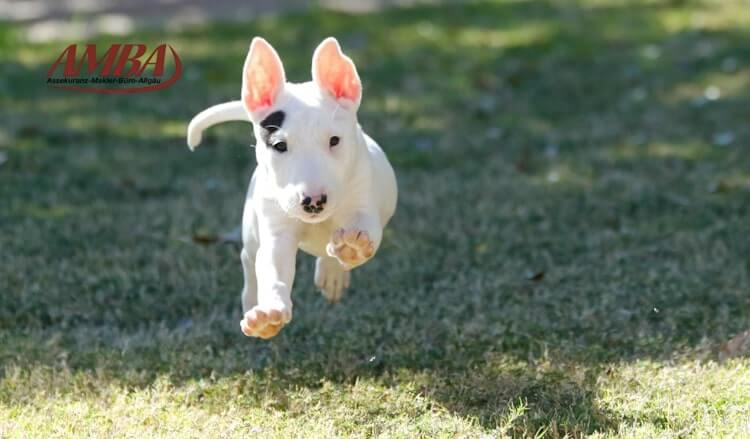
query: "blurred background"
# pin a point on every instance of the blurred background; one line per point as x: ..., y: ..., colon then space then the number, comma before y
x: 48, y: 20
x: 571, y: 230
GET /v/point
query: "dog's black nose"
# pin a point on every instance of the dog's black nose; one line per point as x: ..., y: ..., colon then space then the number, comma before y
x: 314, y: 204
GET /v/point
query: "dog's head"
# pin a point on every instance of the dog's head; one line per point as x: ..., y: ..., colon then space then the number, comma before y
x: 306, y: 133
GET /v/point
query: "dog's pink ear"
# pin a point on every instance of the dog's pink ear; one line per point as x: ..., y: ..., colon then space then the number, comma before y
x: 262, y: 77
x: 335, y: 73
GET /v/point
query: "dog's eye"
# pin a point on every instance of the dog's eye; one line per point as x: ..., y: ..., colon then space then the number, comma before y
x: 279, y: 146
x: 334, y: 141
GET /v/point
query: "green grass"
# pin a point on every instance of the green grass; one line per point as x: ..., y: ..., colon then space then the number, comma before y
x: 569, y: 253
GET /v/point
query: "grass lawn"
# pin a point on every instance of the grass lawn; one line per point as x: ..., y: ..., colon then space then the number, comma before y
x: 570, y: 253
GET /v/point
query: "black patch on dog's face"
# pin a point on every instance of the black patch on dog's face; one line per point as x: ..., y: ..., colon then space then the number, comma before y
x: 271, y: 123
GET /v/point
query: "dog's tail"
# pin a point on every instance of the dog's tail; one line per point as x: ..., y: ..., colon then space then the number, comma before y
x: 226, y: 112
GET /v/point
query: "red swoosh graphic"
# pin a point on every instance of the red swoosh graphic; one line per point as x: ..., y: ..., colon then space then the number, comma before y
x: 120, y: 91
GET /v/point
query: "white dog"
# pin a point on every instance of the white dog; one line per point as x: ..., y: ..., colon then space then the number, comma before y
x: 321, y: 184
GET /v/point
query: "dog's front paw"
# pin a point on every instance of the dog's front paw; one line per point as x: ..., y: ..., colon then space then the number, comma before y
x: 265, y: 321
x: 351, y: 247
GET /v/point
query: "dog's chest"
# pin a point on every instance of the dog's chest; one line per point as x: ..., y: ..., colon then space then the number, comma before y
x: 315, y: 237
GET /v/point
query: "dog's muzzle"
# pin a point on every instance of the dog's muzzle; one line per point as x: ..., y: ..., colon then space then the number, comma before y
x: 314, y: 204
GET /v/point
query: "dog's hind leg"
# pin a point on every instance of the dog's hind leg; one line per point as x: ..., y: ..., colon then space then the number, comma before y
x: 331, y: 278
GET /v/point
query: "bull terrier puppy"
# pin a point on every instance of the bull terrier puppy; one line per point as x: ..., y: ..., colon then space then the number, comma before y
x: 321, y: 184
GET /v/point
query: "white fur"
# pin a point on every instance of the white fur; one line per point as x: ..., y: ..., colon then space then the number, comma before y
x: 226, y: 112
x: 355, y: 175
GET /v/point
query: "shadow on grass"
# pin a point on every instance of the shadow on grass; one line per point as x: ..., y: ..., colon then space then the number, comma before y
x: 563, y: 207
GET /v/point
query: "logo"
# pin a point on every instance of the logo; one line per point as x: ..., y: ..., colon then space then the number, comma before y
x: 121, y: 69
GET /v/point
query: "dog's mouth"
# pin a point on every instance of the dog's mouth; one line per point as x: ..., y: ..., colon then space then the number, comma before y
x: 314, y: 217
